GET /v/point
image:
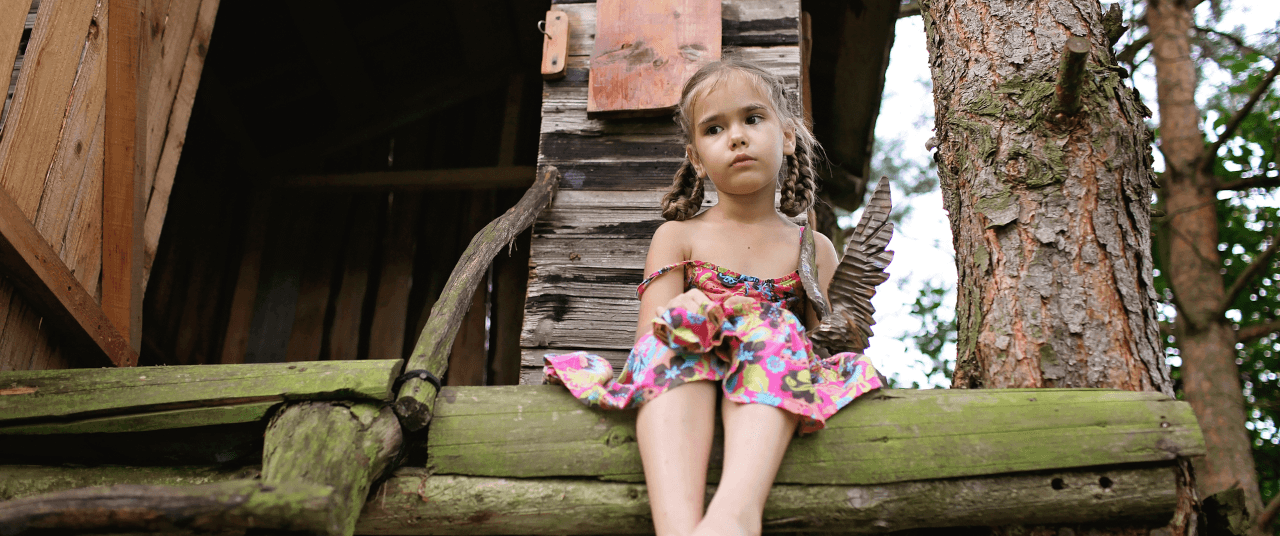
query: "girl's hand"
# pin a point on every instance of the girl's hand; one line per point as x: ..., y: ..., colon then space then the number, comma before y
x: 690, y: 301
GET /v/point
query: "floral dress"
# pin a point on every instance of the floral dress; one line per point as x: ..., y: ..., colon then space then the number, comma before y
x: 749, y: 337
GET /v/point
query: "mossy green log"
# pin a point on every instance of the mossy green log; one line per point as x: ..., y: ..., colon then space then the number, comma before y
x: 18, y: 481
x: 47, y: 395
x: 413, y: 501
x: 222, y: 506
x: 889, y: 435
x: 343, y: 445
x: 416, y: 399
x: 418, y: 503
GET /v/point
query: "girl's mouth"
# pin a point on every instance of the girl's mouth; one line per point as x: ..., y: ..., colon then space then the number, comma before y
x: 741, y: 159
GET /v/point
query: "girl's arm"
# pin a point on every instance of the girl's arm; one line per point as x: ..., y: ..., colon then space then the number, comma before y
x: 670, y: 245
x: 827, y: 261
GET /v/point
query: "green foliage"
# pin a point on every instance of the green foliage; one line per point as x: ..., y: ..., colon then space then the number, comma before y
x: 937, y: 331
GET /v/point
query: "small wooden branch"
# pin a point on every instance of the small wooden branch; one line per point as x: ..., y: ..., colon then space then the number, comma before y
x: 1130, y: 51
x: 1247, y: 334
x: 238, y: 504
x: 1268, y: 516
x: 417, y: 397
x: 338, y: 445
x: 1260, y: 265
x: 1259, y: 181
x: 1210, y: 153
x: 1075, y: 53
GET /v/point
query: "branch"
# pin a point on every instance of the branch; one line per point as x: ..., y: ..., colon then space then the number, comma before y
x: 1248, y: 334
x: 1207, y: 157
x: 1239, y: 43
x: 1259, y: 181
x: 1268, y: 515
x: 1131, y: 50
x: 1253, y: 270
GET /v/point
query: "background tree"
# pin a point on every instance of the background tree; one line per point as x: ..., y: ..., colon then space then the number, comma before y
x: 1048, y: 199
x: 1216, y: 245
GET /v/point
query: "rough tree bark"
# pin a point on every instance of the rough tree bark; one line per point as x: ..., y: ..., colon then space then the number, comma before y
x: 1210, y: 378
x: 1049, y: 210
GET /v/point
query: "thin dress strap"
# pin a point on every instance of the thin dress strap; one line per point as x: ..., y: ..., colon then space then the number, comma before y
x: 645, y: 284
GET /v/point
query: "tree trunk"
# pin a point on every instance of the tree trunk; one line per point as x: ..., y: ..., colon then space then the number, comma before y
x: 1206, y: 341
x: 1049, y: 208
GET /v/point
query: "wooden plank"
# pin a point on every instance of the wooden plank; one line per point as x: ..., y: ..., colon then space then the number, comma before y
x: 510, y: 286
x: 467, y: 356
x: 13, y: 18
x: 743, y: 23
x: 348, y: 306
x: 276, y: 300
x: 18, y: 481
x: 391, y: 307
x: 886, y: 436
x: 123, y: 194
x: 82, y: 247
x: 157, y: 420
x: 417, y: 502
x: 236, y: 339
x: 41, y: 278
x: 169, y: 44
x: 644, y: 51
x: 555, y: 44
x: 318, y: 263
x: 482, y: 178
x: 40, y: 99
x: 83, y: 121
x: 175, y: 134
x: 27, y: 396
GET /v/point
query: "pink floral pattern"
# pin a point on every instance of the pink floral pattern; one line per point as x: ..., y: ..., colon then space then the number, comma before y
x: 748, y: 337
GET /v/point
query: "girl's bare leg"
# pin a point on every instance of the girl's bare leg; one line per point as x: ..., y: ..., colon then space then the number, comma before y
x: 755, y: 438
x: 674, y: 432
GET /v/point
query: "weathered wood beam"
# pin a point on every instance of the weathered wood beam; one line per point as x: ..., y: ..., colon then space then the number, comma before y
x: 28, y: 396
x: 240, y: 504
x: 156, y: 420
x: 891, y: 435
x: 124, y: 195
x: 414, y: 501
x: 480, y: 178
x: 417, y: 397
x: 337, y: 445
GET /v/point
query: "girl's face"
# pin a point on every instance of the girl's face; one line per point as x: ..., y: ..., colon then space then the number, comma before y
x: 739, y: 141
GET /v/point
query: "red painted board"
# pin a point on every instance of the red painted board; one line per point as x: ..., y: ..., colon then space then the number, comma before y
x: 644, y: 51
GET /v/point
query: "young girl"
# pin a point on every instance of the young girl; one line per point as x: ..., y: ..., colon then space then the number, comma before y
x: 716, y: 332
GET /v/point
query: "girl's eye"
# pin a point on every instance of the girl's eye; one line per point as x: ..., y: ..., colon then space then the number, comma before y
x: 754, y: 119
x: 713, y: 130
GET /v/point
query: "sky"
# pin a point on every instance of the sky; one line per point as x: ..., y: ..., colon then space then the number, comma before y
x: 922, y: 243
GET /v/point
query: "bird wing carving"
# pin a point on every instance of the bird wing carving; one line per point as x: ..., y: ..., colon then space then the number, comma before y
x: 846, y: 326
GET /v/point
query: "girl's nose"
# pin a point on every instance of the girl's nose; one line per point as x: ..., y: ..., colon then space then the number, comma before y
x: 737, y: 140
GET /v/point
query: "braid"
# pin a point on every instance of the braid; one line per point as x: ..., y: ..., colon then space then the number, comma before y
x: 798, y: 186
x: 685, y: 196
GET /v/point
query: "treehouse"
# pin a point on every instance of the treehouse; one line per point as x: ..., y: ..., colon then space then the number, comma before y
x: 298, y: 274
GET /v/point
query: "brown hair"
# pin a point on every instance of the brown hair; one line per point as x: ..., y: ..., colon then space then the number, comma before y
x: 684, y: 198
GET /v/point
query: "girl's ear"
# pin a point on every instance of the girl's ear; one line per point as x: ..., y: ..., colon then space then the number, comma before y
x: 789, y: 139
x: 692, y: 155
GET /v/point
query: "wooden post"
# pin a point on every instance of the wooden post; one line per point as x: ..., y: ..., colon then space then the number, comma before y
x: 123, y: 200
x: 417, y: 397
x: 339, y: 444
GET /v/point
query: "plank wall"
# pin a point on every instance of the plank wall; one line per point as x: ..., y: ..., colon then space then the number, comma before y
x: 52, y: 137
x: 589, y: 246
